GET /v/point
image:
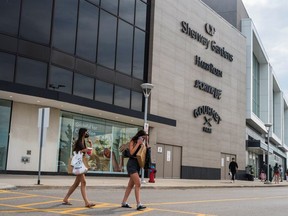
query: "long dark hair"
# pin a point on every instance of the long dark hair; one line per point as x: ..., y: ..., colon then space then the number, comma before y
x: 139, y: 134
x: 78, y: 144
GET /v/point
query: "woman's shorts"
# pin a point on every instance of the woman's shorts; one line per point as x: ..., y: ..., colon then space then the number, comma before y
x: 133, y: 166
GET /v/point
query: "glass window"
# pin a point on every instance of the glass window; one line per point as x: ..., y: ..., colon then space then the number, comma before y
x: 31, y: 72
x: 107, y: 40
x: 9, y: 16
x: 83, y: 86
x: 110, y: 5
x: 7, y: 62
x: 87, y: 31
x: 96, y: 2
x: 36, y: 20
x: 5, y: 113
x: 256, y: 86
x: 64, y: 30
x: 104, y: 92
x: 106, y: 136
x: 141, y: 13
x: 136, y: 101
x: 139, y: 54
x: 124, y: 47
x: 60, y: 79
x: 126, y: 10
x: 122, y: 97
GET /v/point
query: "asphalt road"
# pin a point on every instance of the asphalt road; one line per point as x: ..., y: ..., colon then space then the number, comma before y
x: 199, y: 202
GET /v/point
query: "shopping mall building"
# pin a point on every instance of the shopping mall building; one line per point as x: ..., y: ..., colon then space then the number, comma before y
x: 85, y: 60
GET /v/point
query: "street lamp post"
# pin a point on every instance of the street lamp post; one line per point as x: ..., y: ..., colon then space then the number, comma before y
x: 268, y: 126
x: 146, y: 88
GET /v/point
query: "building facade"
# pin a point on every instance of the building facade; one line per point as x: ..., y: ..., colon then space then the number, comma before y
x: 265, y: 100
x: 86, y: 60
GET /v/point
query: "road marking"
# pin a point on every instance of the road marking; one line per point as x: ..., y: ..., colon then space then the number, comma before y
x: 183, y: 212
x: 19, y: 197
x: 40, y: 203
x: 139, y: 212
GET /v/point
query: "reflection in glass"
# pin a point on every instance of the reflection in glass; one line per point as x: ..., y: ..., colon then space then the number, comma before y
x: 139, y: 54
x: 122, y: 97
x: 124, y: 47
x: 126, y: 10
x: 36, y: 20
x: 5, y: 113
x: 31, y: 72
x: 64, y: 30
x: 106, y: 136
x: 110, y: 5
x: 9, y: 16
x: 103, y: 92
x: 96, y: 2
x: 136, y: 101
x: 141, y: 10
x: 107, y: 38
x: 83, y: 86
x: 87, y: 31
x: 7, y: 62
x: 60, y: 79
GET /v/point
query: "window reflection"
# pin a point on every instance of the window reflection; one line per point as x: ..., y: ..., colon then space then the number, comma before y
x: 141, y: 10
x: 104, y: 92
x: 139, y: 54
x: 64, y: 30
x: 136, y: 101
x: 83, y: 86
x: 87, y: 31
x: 31, y: 72
x: 9, y: 16
x: 7, y: 62
x: 126, y: 10
x: 5, y: 113
x: 122, y: 97
x: 107, y: 38
x: 124, y: 47
x: 36, y: 20
x: 60, y: 79
x: 110, y: 5
x: 106, y: 136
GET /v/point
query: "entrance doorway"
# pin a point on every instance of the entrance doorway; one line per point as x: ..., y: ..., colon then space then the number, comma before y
x: 168, y: 161
x: 225, y: 161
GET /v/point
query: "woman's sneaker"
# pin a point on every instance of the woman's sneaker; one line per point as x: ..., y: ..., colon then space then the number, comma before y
x: 125, y: 205
x: 141, y: 207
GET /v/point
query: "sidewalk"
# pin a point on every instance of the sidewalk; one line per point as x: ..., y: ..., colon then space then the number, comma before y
x: 9, y: 181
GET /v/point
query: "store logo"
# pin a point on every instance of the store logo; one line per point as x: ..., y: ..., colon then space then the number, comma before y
x: 209, y: 115
x: 209, y: 29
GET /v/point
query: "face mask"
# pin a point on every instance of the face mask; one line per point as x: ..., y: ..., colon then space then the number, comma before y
x: 86, y: 135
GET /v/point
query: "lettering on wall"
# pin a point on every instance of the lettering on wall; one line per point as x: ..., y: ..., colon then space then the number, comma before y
x: 209, y: 115
x: 185, y: 28
x: 209, y: 89
x: 207, y: 66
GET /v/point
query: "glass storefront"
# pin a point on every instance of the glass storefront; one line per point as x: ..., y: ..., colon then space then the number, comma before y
x: 106, y: 136
x: 5, y: 113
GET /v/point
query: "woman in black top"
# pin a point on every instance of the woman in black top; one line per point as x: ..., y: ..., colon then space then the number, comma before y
x: 80, y: 146
x: 133, y: 169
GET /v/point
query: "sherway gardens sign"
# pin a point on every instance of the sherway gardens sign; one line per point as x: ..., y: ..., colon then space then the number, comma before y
x: 208, y: 112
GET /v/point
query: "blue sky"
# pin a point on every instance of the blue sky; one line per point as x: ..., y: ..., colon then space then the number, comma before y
x: 271, y: 21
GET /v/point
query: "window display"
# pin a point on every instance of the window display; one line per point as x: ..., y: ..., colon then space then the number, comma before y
x: 106, y: 136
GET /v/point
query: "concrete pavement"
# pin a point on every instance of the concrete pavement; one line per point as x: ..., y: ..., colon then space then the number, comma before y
x: 11, y: 181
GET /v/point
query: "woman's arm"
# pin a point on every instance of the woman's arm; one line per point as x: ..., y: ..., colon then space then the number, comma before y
x: 133, y: 148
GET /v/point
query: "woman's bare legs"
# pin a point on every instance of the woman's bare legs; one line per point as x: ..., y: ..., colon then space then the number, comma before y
x: 72, y: 189
x: 79, y: 179
x: 133, y: 180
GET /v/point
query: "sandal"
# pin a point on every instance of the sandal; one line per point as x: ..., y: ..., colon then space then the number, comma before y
x: 90, y: 205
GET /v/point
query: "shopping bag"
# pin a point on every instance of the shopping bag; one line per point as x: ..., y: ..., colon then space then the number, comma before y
x: 78, y: 164
x: 141, y: 156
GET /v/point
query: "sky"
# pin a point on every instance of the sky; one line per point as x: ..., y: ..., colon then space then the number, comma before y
x: 271, y: 21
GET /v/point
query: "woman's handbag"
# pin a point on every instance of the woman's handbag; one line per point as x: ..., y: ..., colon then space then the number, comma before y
x: 78, y: 164
x: 141, y: 156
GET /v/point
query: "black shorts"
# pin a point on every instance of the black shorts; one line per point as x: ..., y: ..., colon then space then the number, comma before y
x: 133, y: 166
